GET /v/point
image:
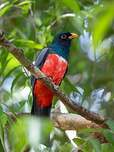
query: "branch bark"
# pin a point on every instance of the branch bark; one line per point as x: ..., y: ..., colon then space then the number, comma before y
x: 64, y: 121
x: 69, y: 121
x: 18, y: 53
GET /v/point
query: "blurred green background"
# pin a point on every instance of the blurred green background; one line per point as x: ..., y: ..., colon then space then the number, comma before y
x: 31, y: 25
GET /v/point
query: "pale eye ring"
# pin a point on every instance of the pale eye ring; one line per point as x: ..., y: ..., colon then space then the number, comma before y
x: 63, y: 36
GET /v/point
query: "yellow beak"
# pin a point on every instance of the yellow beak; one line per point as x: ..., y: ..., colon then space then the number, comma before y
x: 73, y: 35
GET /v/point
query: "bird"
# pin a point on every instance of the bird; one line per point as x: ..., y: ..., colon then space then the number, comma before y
x: 53, y: 62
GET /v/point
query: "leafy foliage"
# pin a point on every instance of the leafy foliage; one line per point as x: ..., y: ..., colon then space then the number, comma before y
x: 32, y: 24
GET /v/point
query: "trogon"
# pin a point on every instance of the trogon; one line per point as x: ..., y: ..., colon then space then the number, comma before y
x: 53, y: 62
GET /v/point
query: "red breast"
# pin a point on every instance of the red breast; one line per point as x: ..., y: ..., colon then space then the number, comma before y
x: 54, y: 67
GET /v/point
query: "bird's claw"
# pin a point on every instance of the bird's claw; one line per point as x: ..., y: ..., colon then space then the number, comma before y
x: 50, y: 78
x: 56, y: 87
x: 41, y: 77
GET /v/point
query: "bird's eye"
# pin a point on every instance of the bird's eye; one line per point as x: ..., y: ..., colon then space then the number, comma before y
x: 63, y: 36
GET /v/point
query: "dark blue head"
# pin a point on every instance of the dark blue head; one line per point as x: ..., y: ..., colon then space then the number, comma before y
x: 61, y: 43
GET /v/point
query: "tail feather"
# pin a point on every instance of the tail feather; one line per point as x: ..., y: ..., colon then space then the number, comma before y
x: 40, y: 111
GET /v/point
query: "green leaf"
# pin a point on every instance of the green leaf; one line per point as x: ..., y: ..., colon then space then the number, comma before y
x: 3, y: 119
x: 109, y: 136
x: 1, y: 136
x: 3, y: 122
x: 46, y: 128
x: 1, y: 147
x: 96, y: 145
x: 29, y: 44
x: 4, y: 8
x: 25, y: 6
x: 79, y: 141
x: 24, y: 3
x: 17, y: 107
x: 67, y: 86
x: 67, y: 147
x: 86, y: 147
x: 106, y: 147
x: 1, y: 111
x: 110, y: 124
x: 32, y: 131
x: 18, y: 131
x: 14, y: 82
x: 89, y: 144
x: 12, y: 63
x: 1, y: 130
x: 102, y: 24
x: 72, y: 4
x: 9, y: 74
x: 4, y: 60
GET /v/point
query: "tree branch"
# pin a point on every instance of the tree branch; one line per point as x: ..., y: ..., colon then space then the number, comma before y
x: 65, y: 121
x: 18, y: 53
x: 69, y: 121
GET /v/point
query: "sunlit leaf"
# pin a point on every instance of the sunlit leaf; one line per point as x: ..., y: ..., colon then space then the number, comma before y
x: 31, y: 131
x: 79, y: 141
x: 18, y: 131
x: 12, y: 63
x: 29, y: 44
x: 24, y: 2
x: 102, y: 24
x: 4, y: 8
x: 45, y: 131
x: 25, y: 6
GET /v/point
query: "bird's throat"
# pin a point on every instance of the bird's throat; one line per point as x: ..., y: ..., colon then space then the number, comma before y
x: 61, y: 50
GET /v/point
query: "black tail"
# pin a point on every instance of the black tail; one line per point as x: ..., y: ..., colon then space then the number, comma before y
x: 39, y: 111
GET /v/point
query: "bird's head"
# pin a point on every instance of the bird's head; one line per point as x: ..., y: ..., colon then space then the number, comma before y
x: 61, y: 43
x: 64, y: 39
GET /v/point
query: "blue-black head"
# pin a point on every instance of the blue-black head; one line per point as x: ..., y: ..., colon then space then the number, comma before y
x: 62, y: 42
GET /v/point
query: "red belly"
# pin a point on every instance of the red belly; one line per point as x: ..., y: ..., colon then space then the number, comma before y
x: 54, y: 67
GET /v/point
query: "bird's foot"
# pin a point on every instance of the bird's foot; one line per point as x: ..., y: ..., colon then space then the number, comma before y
x: 50, y: 78
x: 41, y: 77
